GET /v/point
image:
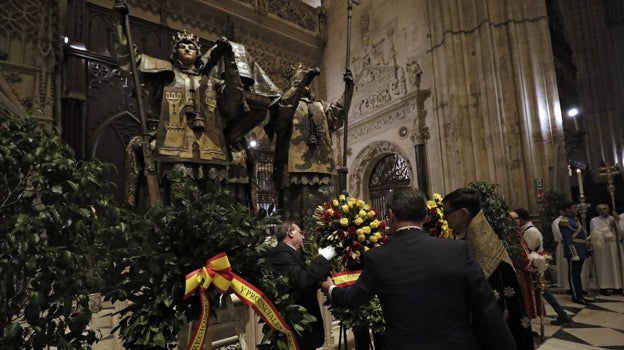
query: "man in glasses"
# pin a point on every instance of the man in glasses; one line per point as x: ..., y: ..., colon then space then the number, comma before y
x: 287, y: 259
x: 462, y: 211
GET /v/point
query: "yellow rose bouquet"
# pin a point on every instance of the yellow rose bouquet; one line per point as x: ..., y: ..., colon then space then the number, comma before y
x: 352, y: 227
x: 435, y: 225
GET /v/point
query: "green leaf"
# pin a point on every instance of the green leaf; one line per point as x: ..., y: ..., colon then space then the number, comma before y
x: 12, y: 331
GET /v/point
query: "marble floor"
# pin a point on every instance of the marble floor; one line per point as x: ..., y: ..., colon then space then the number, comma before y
x: 599, y: 325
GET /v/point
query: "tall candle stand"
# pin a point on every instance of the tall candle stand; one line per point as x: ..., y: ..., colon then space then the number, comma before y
x: 610, y: 171
x: 583, y: 207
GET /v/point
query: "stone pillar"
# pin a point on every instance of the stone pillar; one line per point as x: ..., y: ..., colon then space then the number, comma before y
x: 496, y: 100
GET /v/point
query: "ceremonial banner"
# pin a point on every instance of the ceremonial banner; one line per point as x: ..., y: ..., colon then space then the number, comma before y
x: 218, y: 272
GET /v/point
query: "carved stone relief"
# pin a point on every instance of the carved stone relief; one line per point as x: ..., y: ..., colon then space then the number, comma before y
x: 105, y: 85
x: 381, y: 80
x: 30, y: 48
x: 396, y: 114
x: 295, y: 12
x: 270, y: 51
x: 364, y: 162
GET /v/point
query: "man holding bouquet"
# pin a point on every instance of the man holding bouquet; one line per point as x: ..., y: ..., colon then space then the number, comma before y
x: 433, y: 293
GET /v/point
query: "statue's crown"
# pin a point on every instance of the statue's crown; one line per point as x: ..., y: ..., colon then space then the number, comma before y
x: 185, y: 38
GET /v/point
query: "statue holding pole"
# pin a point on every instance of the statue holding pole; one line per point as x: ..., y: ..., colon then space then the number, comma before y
x: 344, y: 170
x: 203, y: 116
x: 304, y: 164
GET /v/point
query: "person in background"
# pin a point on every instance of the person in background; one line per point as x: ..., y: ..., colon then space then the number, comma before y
x: 433, y: 293
x: 462, y: 211
x: 286, y: 259
x: 602, y: 229
x: 533, y: 239
x: 560, y: 260
x: 574, y: 248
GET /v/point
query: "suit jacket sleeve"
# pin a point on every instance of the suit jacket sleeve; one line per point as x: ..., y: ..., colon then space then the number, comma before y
x: 487, y: 319
x: 299, y: 275
x: 357, y: 294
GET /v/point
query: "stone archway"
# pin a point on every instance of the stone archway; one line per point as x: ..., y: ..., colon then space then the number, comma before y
x: 365, y: 161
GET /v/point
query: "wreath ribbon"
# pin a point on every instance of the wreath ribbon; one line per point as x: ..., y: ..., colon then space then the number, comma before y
x: 218, y: 272
x: 346, y: 278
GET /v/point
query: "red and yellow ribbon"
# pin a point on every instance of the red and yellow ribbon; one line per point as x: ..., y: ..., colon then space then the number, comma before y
x: 218, y: 272
x: 346, y: 278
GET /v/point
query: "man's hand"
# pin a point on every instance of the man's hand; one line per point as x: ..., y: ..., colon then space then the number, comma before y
x: 223, y: 43
x: 328, y: 252
x: 313, y: 72
x: 326, y: 285
x: 348, y: 76
x: 121, y: 6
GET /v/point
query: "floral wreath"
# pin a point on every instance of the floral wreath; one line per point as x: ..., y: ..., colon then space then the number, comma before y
x: 351, y: 226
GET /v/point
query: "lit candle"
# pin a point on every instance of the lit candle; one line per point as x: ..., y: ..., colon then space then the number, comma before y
x: 576, y: 124
x: 580, y: 181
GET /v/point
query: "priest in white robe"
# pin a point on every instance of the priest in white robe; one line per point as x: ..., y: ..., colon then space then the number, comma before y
x: 607, y: 262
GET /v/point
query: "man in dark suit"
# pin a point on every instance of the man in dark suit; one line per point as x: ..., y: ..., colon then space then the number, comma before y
x: 433, y: 293
x: 286, y: 259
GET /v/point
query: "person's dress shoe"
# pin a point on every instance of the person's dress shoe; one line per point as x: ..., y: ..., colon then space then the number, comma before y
x: 561, y: 321
x: 606, y: 292
x: 581, y: 301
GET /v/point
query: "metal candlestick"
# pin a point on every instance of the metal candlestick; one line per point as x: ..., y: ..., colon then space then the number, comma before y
x: 609, y: 171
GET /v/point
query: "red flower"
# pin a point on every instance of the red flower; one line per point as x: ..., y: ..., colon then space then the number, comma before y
x: 356, y: 245
x: 341, y: 234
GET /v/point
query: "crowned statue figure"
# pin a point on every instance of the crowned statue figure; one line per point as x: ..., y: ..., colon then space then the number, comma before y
x: 203, y: 116
x: 304, y: 164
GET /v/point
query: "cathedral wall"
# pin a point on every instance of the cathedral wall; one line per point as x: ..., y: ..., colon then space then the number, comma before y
x: 493, y: 113
x: 596, y: 32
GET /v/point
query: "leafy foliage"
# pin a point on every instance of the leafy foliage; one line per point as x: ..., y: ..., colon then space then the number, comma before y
x: 50, y: 206
x: 161, y: 246
x: 65, y: 238
x: 496, y: 211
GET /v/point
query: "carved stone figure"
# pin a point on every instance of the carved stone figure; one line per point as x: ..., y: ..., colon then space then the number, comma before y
x: 203, y: 116
x: 304, y: 162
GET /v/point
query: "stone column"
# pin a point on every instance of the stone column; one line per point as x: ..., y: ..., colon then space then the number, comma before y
x: 496, y: 101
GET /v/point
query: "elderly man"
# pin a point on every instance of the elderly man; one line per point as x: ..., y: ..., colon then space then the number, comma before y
x: 603, y: 235
x: 305, y: 279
